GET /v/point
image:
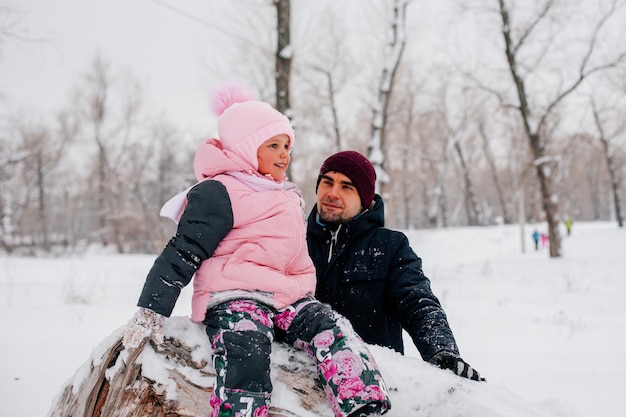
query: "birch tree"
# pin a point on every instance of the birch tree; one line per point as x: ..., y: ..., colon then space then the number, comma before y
x: 391, y: 62
x: 8, y: 161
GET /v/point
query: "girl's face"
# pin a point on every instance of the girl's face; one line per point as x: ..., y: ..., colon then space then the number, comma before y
x: 274, y: 156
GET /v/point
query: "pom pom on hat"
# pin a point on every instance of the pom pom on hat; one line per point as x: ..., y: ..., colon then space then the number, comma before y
x: 244, y: 123
x: 356, y: 167
x: 229, y: 95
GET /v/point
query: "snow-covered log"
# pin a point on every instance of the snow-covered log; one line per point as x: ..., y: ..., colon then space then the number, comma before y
x: 175, y: 380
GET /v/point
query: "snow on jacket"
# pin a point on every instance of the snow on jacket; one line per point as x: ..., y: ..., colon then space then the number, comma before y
x: 375, y: 279
x: 241, y: 235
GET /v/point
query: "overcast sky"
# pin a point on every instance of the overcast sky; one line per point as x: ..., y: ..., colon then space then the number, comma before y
x: 169, y: 46
x: 159, y: 46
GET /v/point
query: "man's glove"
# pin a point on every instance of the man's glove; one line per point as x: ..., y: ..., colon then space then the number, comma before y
x: 449, y: 360
x: 145, y: 323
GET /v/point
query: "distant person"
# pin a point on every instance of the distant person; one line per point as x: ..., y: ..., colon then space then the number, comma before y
x: 568, y: 225
x: 536, y: 237
x: 242, y: 237
x: 369, y: 273
x: 545, y: 240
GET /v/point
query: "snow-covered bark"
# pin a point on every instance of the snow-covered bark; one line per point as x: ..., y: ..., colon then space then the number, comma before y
x: 375, y: 148
x: 6, y: 200
x: 176, y: 380
x: 284, y: 54
x: 6, y: 229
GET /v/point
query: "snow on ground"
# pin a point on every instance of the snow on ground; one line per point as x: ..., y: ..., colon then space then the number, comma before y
x: 548, y: 334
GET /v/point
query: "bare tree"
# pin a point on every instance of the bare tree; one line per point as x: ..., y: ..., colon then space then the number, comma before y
x: 452, y: 128
x: 10, y: 26
x: 8, y: 162
x: 324, y: 72
x: 332, y: 91
x: 459, y: 131
x: 96, y: 114
x: 159, y: 167
x: 610, y: 156
x: 328, y: 68
x: 284, y: 52
x: 491, y: 163
x: 283, y: 55
x: 391, y: 63
x: 474, y: 214
x: 110, y: 116
x: 438, y: 145
x: 37, y: 138
x: 536, y: 120
x: 407, y: 154
x: 28, y: 183
x: 586, y: 189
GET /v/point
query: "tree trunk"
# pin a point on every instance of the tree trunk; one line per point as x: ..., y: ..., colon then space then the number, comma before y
x: 610, y: 164
x: 437, y: 214
x: 617, y: 201
x: 176, y: 380
x: 41, y: 199
x: 283, y: 55
x: 494, y: 173
x: 375, y: 148
x: 549, y: 199
x: 333, y: 110
x: 550, y: 205
x: 283, y: 59
x: 6, y: 216
x: 169, y: 381
x: 474, y: 216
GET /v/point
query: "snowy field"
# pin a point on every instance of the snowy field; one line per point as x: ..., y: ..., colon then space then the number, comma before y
x: 547, y: 332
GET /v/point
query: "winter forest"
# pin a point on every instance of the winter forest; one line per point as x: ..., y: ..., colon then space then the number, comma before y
x: 503, y: 112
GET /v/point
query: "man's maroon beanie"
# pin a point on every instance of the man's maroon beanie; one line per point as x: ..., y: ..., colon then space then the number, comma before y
x: 356, y: 167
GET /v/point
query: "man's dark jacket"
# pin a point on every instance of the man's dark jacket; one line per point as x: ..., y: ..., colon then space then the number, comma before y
x: 375, y: 280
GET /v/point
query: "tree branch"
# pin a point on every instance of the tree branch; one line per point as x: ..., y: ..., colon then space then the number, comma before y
x: 533, y: 24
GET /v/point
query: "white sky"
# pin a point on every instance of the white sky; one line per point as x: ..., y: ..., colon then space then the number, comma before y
x: 161, y: 48
x: 177, y: 58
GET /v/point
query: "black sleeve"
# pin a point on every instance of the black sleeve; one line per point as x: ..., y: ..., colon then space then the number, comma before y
x: 417, y: 307
x: 207, y: 218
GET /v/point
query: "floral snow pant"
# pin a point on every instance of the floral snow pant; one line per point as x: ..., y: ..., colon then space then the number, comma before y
x: 241, y: 333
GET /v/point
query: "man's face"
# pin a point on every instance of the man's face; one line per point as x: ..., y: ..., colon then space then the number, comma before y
x: 337, y: 198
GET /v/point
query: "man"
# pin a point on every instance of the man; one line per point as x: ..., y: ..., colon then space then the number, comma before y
x: 369, y: 273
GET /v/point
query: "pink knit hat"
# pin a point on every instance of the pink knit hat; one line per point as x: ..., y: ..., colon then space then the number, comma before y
x: 245, y: 123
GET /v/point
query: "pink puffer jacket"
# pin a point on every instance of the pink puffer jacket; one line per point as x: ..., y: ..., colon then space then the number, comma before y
x: 265, y: 252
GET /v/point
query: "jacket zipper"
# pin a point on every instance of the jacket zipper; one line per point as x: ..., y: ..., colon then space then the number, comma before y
x: 333, y: 242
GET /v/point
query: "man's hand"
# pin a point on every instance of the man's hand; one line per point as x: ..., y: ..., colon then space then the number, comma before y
x: 449, y: 360
x: 145, y: 323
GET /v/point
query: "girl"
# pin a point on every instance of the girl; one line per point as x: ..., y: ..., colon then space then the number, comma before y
x: 241, y: 236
